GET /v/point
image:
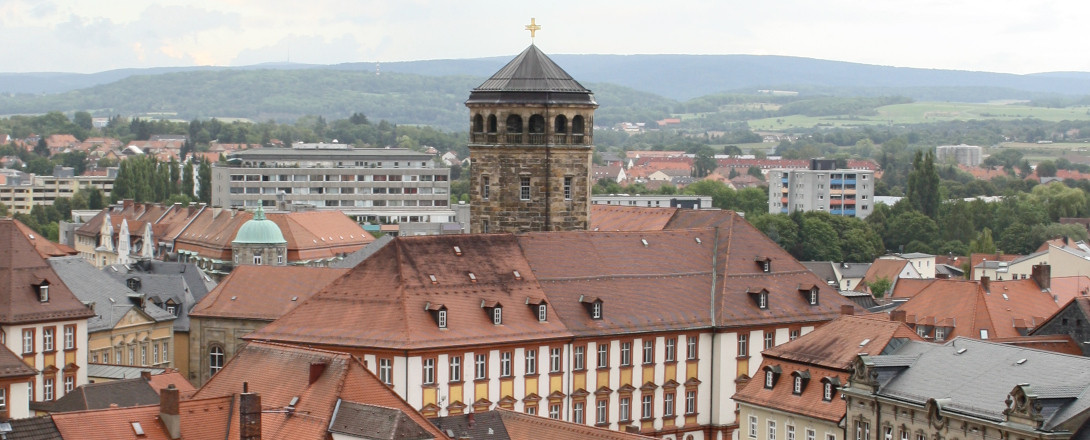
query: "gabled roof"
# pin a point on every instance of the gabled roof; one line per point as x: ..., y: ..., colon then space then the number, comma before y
x: 626, y: 218
x: 889, y: 269
x: 263, y: 292
x: 22, y: 269
x: 111, y: 298
x: 1005, y: 309
x: 375, y: 423
x: 161, y: 281
x: 501, y: 424
x: 33, y: 428
x: 210, y: 418
x: 279, y: 373
x: 41, y: 244
x: 123, y: 393
x: 823, y: 269
x: 836, y: 343
x: 909, y: 287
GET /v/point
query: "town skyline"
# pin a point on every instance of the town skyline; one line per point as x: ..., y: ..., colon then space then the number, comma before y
x: 84, y: 37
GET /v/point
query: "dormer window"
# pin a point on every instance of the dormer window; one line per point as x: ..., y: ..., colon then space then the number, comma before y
x: 764, y: 263
x: 759, y: 296
x: 494, y: 310
x: 809, y: 293
x: 814, y: 296
x: 799, y: 380
x: 497, y: 315
x: 828, y: 388
x: 542, y: 313
x: 593, y: 305
x: 772, y: 375
x: 43, y: 292
x: 438, y: 313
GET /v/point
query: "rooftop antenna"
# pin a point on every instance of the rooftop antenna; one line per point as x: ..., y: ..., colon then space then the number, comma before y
x: 533, y: 27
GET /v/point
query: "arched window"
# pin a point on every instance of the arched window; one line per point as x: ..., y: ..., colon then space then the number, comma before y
x: 577, y: 129
x: 478, y: 123
x: 215, y: 360
x: 492, y: 123
x: 560, y: 129
x: 514, y: 129
x: 537, y: 129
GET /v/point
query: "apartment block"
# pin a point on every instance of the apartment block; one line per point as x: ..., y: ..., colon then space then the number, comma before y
x: 823, y: 187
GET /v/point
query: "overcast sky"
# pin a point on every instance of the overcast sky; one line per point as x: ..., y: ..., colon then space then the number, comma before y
x: 987, y: 35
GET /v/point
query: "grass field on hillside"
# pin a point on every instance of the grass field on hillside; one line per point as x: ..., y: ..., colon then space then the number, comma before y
x: 924, y: 112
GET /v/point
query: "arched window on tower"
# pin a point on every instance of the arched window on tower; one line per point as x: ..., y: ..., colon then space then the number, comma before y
x: 577, y: 129
x: 478, y: 128
x: 514, y: 129
x: 560, y: 130
x: 492, y: 129
x: 537, y: 129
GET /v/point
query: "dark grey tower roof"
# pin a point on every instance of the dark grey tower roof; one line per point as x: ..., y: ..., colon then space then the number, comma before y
x: 531, y: 78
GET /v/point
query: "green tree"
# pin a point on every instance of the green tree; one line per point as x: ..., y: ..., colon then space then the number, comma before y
x: 1060, y: 201
x: 1016, y: 239
x: 923, y: 185
x: 704, y: 163
x: 983, y: 243
x: 83, y: 120
x: 187, y: 179
x: 912, y: 225
x: 880, y: 287
x: 819, y: 242
x: 204, y: 177
x: 1046, y: 168
x: 780, y: 228
x: 41, y: 148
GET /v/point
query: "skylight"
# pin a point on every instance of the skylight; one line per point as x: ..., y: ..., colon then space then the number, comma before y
x: 865, y: 341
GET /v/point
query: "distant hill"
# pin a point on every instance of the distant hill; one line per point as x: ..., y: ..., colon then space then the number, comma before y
x: 678, y: 77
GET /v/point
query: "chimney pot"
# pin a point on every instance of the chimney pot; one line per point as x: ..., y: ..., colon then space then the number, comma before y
x: 469, y: 418
x: 985, y: 283
x: 847, y: 309
x: 146, y: 375
x: 169, y: 413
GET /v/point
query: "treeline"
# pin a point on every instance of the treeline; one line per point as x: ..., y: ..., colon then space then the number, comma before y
x: 145, y: 179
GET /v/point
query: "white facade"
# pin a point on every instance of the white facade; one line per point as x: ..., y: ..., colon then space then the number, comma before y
x: 838, y: 192
x: 66, y: 349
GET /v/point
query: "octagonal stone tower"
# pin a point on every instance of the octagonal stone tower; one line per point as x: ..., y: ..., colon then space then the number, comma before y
x: 530, y: 145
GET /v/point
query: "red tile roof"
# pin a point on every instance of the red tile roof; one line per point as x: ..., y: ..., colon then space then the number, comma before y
x: 22, y: 269
x: 1057, y: 343
x: 889, y: 269
x: 310, y: 235
x: 200, y: 419
x: 41, y: 244
x: 976, y: 259
x: 628, y: 218
x: 263, y: 292
x: 279, y: 373
x: 171, y: 377
x: 909, y: 287
x: 1067, y: 288
x: 1006, y: 309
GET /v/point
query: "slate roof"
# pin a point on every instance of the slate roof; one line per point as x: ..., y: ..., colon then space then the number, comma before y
x: 285, y: 373
x: 116, y: 372
x: 978, y: 380
x: 263, y: 292
x: 375, y: 423
x: 1005, y: 309
x: 161, y: 281
x: 123, y: 393
x: 33, y: 428
x: 531, y: 77
x: 354, y: 258
x: 111, y: 298
x: 22, y: 268
x: 501, y: 424
x: 648, y: 281
x: 823, y: 269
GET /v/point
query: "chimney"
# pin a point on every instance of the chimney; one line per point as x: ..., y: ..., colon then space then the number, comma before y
x: 469, y: 420
x: 249, y: 416
x: 898, y: 315
x: 1042, y: 275
x: 847, y: 309
x: 168, y: 412
x: 316, y: 370
x: 127, y: 203
x: 146, y: 375
x: 985, y: 283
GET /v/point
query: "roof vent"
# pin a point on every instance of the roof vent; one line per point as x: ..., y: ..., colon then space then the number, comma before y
x: 234, y: 298
x: 31, y: 236
x: 1020, y: 361
x: 295, y: 298
x: 458, y: 251
x: 697, y: 240
x: 433, y: 279
x: 961, y: 350
x: 1005, y: 298
x: 865, y: 341
x: 472, y: 278
x: 518, y: 276
x: 644, y: 241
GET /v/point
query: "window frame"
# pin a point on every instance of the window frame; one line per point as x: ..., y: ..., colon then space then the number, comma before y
x: 624, y: 409
x: 556, y: 358
x: 69, y: 337
x: 480, y: 366
x: 579, y: 357
x: 531, y: 361
x: 647, y: 406
x: 690, y: 402
x: 648, y: 351
x: 753, y: 422
x: 524, y: 188
x: 671, y: 349
x: 386, y: 371
x: 505, y: 364
x: 216, y: 358
x: 743, y: 345
x: 49, y: 339
x: 626, y: 354
x: 692, y: 347
x: 603, y: 356
x: 48, y: 389
x: 428, y: 371
x: 455, y: 368
x: 668, y: 404
x: 577, y: 412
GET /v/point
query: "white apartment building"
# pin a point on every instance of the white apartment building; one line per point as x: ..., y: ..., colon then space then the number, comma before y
x: 821, y: 188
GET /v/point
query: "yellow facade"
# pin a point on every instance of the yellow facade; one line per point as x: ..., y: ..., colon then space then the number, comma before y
x: 138, y: 340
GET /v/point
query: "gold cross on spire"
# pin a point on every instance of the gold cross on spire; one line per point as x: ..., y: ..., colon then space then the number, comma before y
x: 533, y: 27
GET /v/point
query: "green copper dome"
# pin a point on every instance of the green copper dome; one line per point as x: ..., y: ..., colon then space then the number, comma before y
x: 259, y: 230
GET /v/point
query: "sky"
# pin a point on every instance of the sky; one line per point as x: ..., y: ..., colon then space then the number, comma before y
x: 980, y: 35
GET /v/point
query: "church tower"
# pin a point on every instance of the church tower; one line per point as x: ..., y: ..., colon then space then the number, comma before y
x: 530, y: 146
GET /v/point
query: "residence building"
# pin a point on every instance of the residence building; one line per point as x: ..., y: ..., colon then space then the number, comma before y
x: 1072, y: 319
x: 246, y: 300
x: 844, y: 276
x: 1067, y: 259
x: 655, y: 201
x: 22, y: 191
x: 796, y: 392
x: 968, y: 155
x: 967, y: 389
x: 847, y: 192
x: 648, y: 331
x: 376, y: 185
x: 923, y: 263
x: 41, y: 321
x: 892, y: 270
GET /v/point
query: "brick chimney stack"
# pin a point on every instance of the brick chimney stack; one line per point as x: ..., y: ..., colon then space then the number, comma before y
x: 847, y: 309
x: 1042, y: 275
x: 985, y: 283
x: 249, y: 416
x: 169, y: 413
x: 898, y: 315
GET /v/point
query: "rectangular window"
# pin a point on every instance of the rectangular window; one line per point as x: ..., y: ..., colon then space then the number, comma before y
x: 554, y: 360
x: 790, y: 432
x: 3, y: 399
x: 165, y: 352
x: 531, y: 409
x: 47, y: 339
x: 132, y: 355
x: 668, y: 405
x: 904, y: 434
x: 154, y: 353
x: 531, y: 361
x: 811, y: 434
x: 602, y: 412
x: 69, y: 337
x: 646, y: 407
x: 455, y: 368
x: 794, y: 335
x: 888, y: 434
x: 603, y: 355
x: 542, y: 313
x: 143, y: 355
x: 481, y: 367
x: 770, y: 340
x: 579, y: 357
x: 752, y: 426
x: 626, y: 409
x: 28, y: 341
x: 771, y: 430
x: 671, y: 349
x: 69, y: 383
x: 429, y: 371
x: 486, y: 188
x: 690, y: 348
x: 577, y: 412
x: 648, y: 352
x: 505, y: 364
x: 743, y: 345
x: 833, y: 437
x: 47, y: 389
x: 385, y: 371
x: 567, y: 188
x: 554, y: 411
x: 690, y: 402
x: 524, y: 188
x: 626, y: 354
